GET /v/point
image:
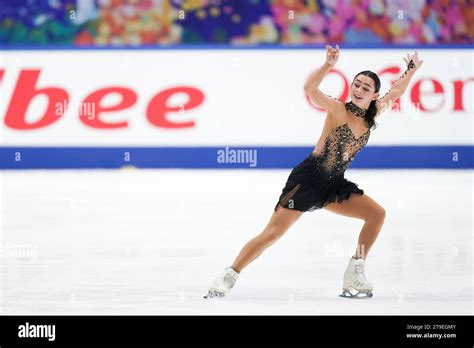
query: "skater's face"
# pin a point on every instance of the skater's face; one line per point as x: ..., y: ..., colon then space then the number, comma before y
x: 363, y: 91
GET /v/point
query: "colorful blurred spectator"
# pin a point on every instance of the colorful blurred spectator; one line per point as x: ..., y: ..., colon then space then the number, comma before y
x: 239, y: 22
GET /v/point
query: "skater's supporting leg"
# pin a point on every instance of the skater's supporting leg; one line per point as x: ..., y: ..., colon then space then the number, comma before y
x: 279, y: 223
x: 365, y: 208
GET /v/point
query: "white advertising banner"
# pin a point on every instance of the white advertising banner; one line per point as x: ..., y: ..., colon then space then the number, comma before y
x: 218, y: 97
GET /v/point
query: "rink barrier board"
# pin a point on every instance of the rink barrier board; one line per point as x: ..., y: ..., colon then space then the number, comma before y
x: 147, y: 115
x: 277, y: 157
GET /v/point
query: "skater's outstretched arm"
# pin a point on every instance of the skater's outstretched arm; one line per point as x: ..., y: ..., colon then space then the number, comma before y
x: 311, y: 86
x: 400, y: 86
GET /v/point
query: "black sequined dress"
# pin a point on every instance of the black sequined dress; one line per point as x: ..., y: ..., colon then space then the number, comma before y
x: 319, y: 179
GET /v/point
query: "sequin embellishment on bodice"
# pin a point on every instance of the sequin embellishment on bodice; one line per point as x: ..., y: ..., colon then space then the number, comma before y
x: 339, y: 150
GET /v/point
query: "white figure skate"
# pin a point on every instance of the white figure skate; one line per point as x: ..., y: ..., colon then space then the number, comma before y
x: 355, y: 284
x: 222, y: 285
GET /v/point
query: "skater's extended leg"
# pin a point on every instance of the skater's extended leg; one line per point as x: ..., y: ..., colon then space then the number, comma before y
x: 279, y: 223
x: 365, y: 208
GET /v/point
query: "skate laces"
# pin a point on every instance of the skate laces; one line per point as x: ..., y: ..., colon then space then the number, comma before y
x: 229, y: 279
x: 359, y: 271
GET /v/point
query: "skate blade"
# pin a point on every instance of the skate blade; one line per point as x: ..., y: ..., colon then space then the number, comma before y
x: 356, y: 294
x: 212, y: 294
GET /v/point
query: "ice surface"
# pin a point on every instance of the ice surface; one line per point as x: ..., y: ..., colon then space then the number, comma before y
x: 152, y: 241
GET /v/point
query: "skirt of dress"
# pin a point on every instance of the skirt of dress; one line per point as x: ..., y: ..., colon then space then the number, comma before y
x: 307, y: 189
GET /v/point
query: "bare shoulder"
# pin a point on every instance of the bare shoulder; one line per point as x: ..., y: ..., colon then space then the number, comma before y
x: 325, y: 101
x: 338, y: 103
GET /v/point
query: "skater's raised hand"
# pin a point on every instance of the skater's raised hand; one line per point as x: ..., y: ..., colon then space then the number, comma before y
x: 311, y: 87
x: 399, y: 87
x: 413, y: 58
x: 332, y: 54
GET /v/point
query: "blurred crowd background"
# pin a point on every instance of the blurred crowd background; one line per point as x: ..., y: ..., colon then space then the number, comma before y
x: 239, y: 22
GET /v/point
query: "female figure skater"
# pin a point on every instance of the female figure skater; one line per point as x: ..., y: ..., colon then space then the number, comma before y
x: 318, y: 181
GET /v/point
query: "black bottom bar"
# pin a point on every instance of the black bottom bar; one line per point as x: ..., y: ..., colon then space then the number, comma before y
x: 289, y: 331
